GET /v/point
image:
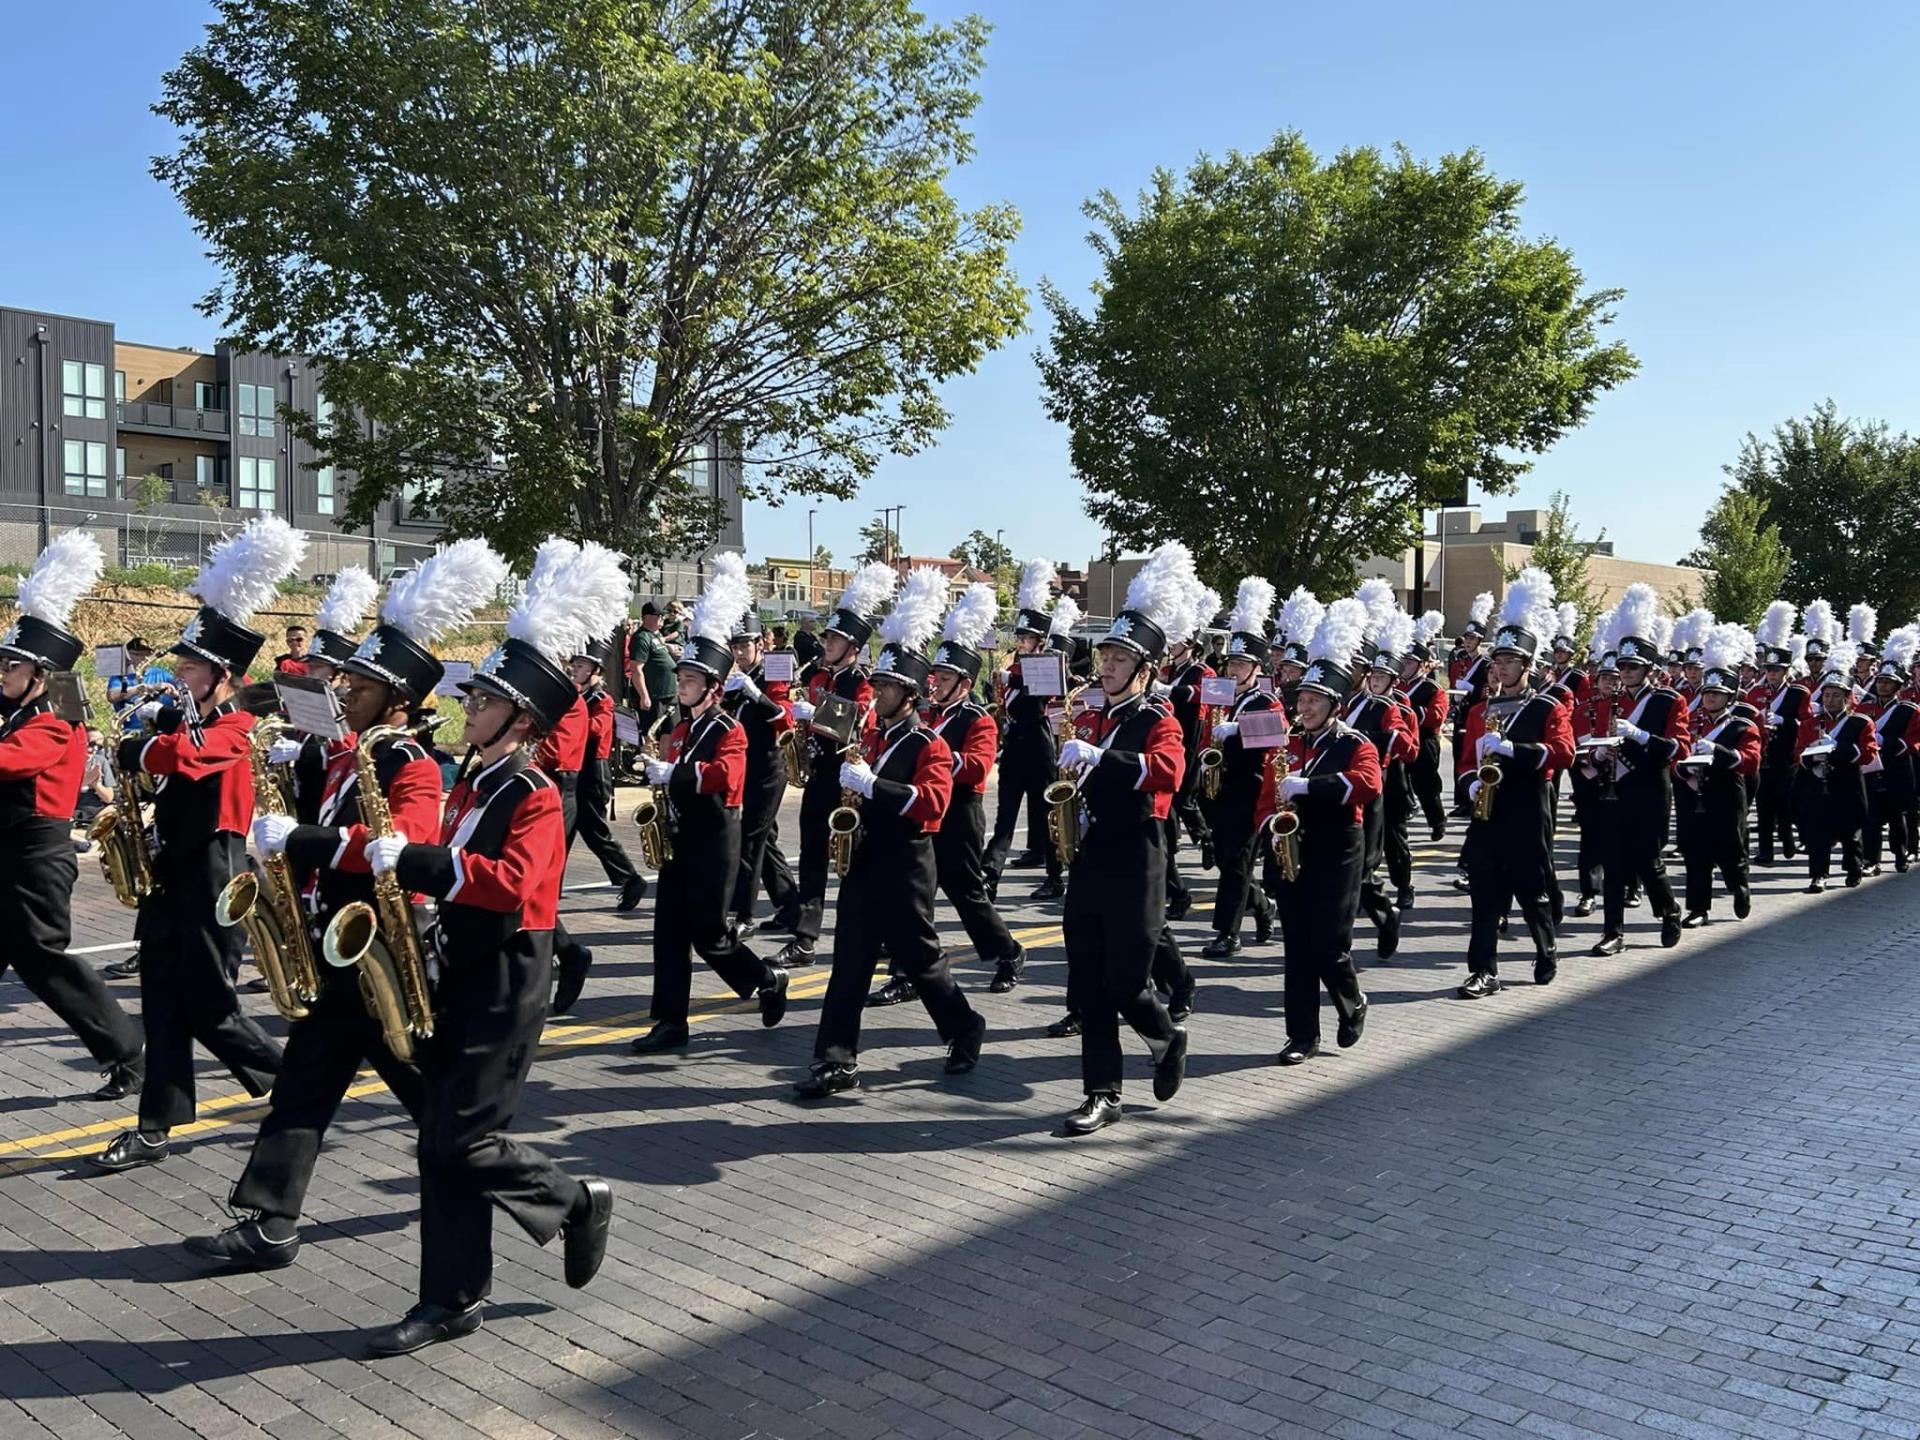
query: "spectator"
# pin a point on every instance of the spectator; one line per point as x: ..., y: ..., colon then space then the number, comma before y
x: 780, y: 638
x: 140, y: 682
x: 806, y: 644
x: 650, y: 667
x: 96, y: 786
x: 293, y: 660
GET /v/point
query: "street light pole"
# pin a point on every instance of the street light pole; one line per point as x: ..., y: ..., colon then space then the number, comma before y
x: 810, y: 555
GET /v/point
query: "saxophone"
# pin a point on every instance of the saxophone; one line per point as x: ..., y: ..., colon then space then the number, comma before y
x: 1062, y: 797
x: 381, y: 939
x: 275, y: 922
x: 1286, y: 823
x: 843, y: 823
x: 120, y: 830
x: 1489, y: 773
x: 650, y: 812
x: 1212, y: 760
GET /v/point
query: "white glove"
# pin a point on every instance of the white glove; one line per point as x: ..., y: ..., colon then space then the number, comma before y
x: 742, y: 683
x: 1293, y: 787
x: 1226, y: 730
x: 1703, y: 747
x: 145, y: 713
x: 1495, y: 745
x: 383, y: 854
x: 270, y: 833
x: 1160, y: 687
x: 802, y: 712
x: 284, y: 751
x: 1473, y: 791
x: 857, y: 776
x: 659, y: 771
x: 1627, y: 730
x: 1773, y: 722
x: 1079, y: 755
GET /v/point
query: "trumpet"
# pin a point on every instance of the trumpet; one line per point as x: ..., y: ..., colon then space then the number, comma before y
x: 1286, y: 827
x: 843, y: 824
x: 1489, y: 773
x: 120, y: 830
x: 270, y: 910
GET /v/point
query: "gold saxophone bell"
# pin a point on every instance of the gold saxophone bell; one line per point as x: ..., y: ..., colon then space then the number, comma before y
x: 843, y: 830
x: 241, y: 903
x: 1489, y: 774
x: 353, y: 942
x: 1286, y: 842
x: 793, y: 752
x: 1212, y: 771
x: 266, y: 903
x: 1062, y: 799
x: 120, y: 830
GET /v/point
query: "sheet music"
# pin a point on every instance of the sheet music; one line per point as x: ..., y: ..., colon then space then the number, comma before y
x: 1043, y: 675
x: 1263, y: 729
x: 457, y: 671
x: 776, y: 667
x: 312, y: 706
x: 1217, y: 690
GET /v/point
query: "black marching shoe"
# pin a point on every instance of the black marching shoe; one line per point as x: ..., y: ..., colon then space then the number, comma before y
x: 1545, y: 967
x: 1693, y: 920
x: 1179, y: 904
x: 794, y: 953
x: 1462, y: 884
x: 1389, y: 942
x: 572, y: 967
x: 667, y: 1035
x: 1180, y: 1000
x: 993, y: 886
x: 1220, y: 947
x: 1670, y: 928
x: 1611, y: 943
x: 1583, y: 907
x: 1352, y: 1027
x: 1816, y: 887
x: 1096, y: 1112
x: 127, y: 969
x: 1027, y: 860
x: 773, y: 998
x: 829, y: 1077
x: 1439, y: 829
x: 1006, y: 974
x: 1742, y: 903
x: 632, y: 893
x: 585, y: 1238
x: 244, y: 1246
x: 1171, y: 1068
x: 1263, y: 926
x: 123, y: 1079
x: 1298, y: 1054
x: 897, y: 990
x: 1052, y: 888
x: 1206, y: 851
x: 1633, y: 899
x: 1403, y: 899
x: 1067, y: 1026
x: 130, y: 1150
x: 1478, y: 987
x: 1899, y: 864
x: 1853, y: 880
x: 963, y: 1054
x: 422, y: 1326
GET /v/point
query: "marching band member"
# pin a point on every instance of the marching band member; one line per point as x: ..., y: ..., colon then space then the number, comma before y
x: 388, y: 679
x: 702, y: 768
x: 308, y: 757
x: 1466, y: 681
x: 1836, y: 747
x: 1126, y: 779
x: 1651, y: 726
x: 1592, y: 723
x: 1863, y: 623
x: 496, y: 870
x: 592, y: 823
x: 1522, y: 734
x: 1896, y: 724
x: 1685, y: 661
x: 1429, y: 700
x: 202, y: 751
x: 1333, y: 771
x: 764, y: 709
x: 839, y: 673
x: 1293, y: 631
x: 1240, y: 773
x: 1710, y: 815
x: 562, y: 752
x: 1382, y: 712
x: 1782, y: 702
x: 1186, y: 670
x: 1027, y: 761
x: 42, y: 759
x: 903, y: 781
x: 968, y: 731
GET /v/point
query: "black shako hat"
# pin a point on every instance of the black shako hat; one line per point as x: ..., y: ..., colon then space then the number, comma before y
x: 393, y: 657
x: 51, y: 647
x: 521, y: 675
x: 221, y: 641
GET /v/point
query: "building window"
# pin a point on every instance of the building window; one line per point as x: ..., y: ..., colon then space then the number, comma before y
x: 256, y: 482
x: 210, y: 474
x: 698, y: 471
x: 256, y: 411
x: 119, y: 462
x: 414, y: 504
x: 85, y: 468
x: 120, y: 386
x: 83, y: 389
x: 207, y: 396
x: 323, y: 477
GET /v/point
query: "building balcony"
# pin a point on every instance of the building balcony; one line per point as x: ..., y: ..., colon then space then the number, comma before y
x: 155, y: 417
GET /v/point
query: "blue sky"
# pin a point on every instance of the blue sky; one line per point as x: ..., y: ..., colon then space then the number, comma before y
x: 1746, y: 173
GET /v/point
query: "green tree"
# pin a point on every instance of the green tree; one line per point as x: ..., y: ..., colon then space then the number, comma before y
x: 1561, y: 552
x: 1747, y: 563
x: 1286, y: 360
x: 822, y: 558
x: 554, y: 247
x: 1845, y: 498
x: 876, y: 542
x: 982, y: 552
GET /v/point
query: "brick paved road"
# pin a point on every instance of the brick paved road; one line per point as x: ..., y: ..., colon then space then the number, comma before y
x: 1672, y: 1194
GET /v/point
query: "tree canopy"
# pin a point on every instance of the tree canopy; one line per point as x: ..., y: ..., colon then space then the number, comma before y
x: 548, y: 248
x: 1561, y: 552
x: 982, y: 552
x: 1747, y: 561
x: 1288, y: 359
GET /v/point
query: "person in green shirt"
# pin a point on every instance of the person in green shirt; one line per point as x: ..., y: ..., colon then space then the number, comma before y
x: 650, y: 665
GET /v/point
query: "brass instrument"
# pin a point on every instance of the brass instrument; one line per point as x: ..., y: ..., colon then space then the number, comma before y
x: 1286, y: 824
x: 276, y: 921
x: 1062, y: 799
x: 650, y: 810
x: 381, y: 940
x: 120, y: 830
x: 1212, y: 760
x: 843, y: 823
x: 1489, y: 773
x: 793, y: 753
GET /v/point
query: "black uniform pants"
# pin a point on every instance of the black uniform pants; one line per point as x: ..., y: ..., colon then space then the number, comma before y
x: 567, y: 782
x: 1115, y: 923
x: 1888, y: 812
x: 36, y: 916
x: 187, y: 967
x: 1632, y: 856
x: 595, y: 801
x: 1712, y: 837
x: 1233, y: 841
x: 1508, y: 867
x: 1026, y: 769
x: 1396, y: 811
x: 759, y: 829
x: 887, y: 899
x: 1775, y: 809
x: 1373, y: 834
x: 1593, y: 813
x: 1316, y: 920
x: 1423, y: 775
x: 819, y: 799
x: 1825, y: 822
x: 324, y: 1053
x: 691, y: 916
x: 472, y: 1072
x: 958, y: 848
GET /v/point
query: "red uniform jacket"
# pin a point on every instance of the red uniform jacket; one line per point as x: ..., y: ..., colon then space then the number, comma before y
x: 563, y: 749
x: 413, y: 801
x: 1747, y: 752
x: 46, y: 758
x: 599, y: 723
x: 1358, y: 785
x: 973, y: 761
x: 1858, y: 748
x: 1551, y: 754
x: 724, y: 772
x: 1431, y: 712
x: 526, y: 874
x: 221, y: 749
x: 922, y: 800
x: 821, y: 683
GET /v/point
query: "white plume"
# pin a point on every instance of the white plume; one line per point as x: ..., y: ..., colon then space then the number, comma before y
x: 1377, y: 595
x: 972, y: 615
x: 243, y: 572
x: 1690, y: 631
x: 1566, y: 620
x: 65, y: 571
x: 1340, y: 632
x: 1839, y: 664
x: 1529, y: 594
x: 576, y: 593
x: 1604, y: 635
x: 1429, y: 625
x: 1662, y: 635
x: 1037, y: 578
x: 1726, y: 647
x: 1396, y: 636
x: 1066, y: 615
x: 348, y: 600
x: 1166, y: 591
x: 1299, y: 616
x: 1796, y: 654
x: 726, y: 600
x: 1863, y: 621
x: 1819, y: 623
x: 1635, y: 614
x: 1481, y: 608
x: 1252, y: 606
x: 1901, y: 646
x: 1777, y: 624
x: 871, y: 586
x: 916, y: 610
x: 1206, y: 605
x: 440, y: 595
